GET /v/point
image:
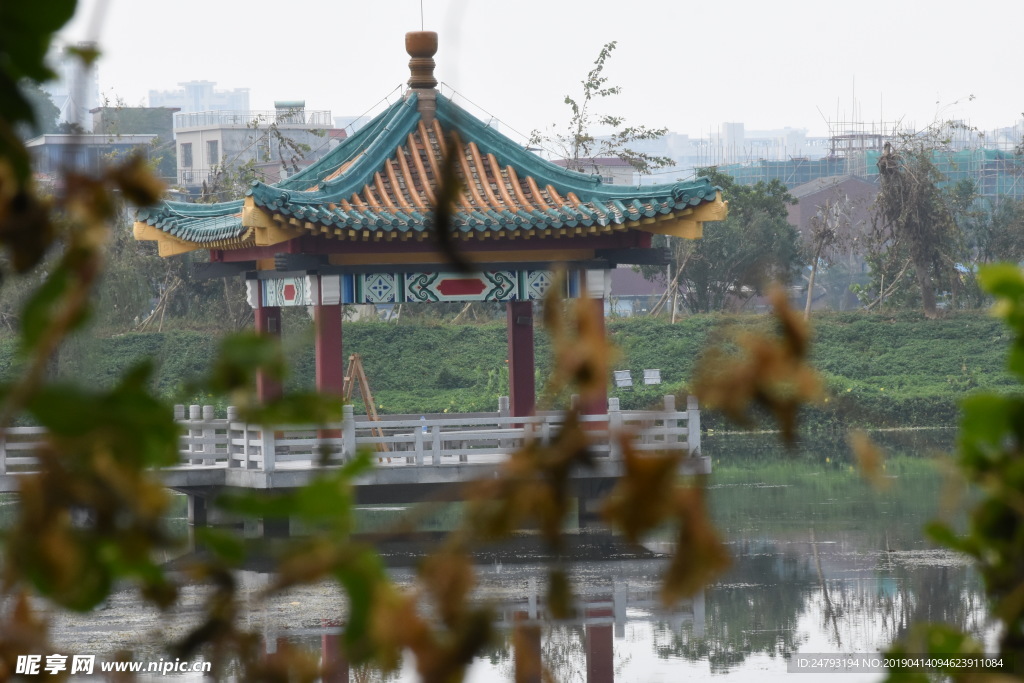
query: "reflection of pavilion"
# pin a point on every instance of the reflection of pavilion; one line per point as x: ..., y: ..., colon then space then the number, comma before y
x: 627, y: 591
x: 359, y: 227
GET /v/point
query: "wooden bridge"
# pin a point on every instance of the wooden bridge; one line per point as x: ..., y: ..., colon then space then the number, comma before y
x: 428, y: 457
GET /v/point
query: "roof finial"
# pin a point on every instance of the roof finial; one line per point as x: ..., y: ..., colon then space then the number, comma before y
x: 422, y: 46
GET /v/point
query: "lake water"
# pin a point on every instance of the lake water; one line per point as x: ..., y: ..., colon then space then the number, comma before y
x: 822, y: 563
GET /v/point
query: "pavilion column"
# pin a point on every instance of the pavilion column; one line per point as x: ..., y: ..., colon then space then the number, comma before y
x: 526, y: 650
x: 268, y: 322
x: 334, y: 665
x: 522, y: 390
x: 594, y: 291
x: 600, y: 648
x: 330, y: 364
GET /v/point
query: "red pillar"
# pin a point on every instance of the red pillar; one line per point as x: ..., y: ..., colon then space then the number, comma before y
x: 526, y: 650
x: 268, y: 322
x: 597, y: 405
x: 522, y: 390
x: 600, y: 649
x: 330, y: 364
x: 333, y: 662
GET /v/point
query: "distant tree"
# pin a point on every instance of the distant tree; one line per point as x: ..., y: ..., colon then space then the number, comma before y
x: 578, y: 144
x: 120, y: 118
x: 997, y: 233
x: 46, y: 112
x: 230, y: 178
x: 915, y: 227
x: 70, y: 128
x: 736, y: 258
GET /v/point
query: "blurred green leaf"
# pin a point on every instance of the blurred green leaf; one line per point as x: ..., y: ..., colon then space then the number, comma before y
x: 26, y: 29
x: 225, y: 545
x: 238, y: 358
x: 37, y: 314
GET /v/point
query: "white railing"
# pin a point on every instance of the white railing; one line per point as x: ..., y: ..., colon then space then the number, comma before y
x: 221, y: 118
x: 207, y: 441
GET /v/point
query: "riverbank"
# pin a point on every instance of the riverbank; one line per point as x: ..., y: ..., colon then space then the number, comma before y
x: 880, y: 370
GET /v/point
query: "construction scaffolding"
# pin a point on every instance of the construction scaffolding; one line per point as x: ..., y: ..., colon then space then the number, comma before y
x: 990, y: 159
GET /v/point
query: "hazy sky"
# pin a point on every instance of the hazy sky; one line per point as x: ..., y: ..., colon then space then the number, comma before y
x: 688, y: 66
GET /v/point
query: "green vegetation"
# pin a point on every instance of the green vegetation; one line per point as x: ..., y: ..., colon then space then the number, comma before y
x: 879, y: 370
x: 738, y: 257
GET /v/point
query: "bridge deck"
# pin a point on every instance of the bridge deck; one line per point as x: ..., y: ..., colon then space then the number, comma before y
x: 441, y: 451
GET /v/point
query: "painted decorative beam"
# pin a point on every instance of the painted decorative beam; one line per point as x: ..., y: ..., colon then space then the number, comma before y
x: 421, y: 287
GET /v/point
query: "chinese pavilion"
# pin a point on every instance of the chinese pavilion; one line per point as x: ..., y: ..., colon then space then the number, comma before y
x: 359, y: 226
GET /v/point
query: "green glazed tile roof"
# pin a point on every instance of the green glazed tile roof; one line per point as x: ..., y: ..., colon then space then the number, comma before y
x: 382, y: 180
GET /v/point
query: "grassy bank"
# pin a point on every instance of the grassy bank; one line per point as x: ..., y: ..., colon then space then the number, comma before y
x: 881, y: 371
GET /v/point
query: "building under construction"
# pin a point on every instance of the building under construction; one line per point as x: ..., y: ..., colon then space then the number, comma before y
x: 991, y: 160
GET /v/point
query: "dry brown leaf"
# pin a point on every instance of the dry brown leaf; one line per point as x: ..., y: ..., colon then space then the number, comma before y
x: 450, y: 578
x: 700, y: 555
x: 642, y: 497
x: 870, y: 459
x: 767, y: 372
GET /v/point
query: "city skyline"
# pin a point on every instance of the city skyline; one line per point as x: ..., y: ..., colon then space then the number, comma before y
x: 687, y: 68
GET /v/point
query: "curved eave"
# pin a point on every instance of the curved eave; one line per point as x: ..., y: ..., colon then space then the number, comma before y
x: 169, y: 245
x: 274, y: 227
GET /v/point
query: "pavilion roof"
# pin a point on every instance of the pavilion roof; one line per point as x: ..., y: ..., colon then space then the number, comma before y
x: 381, y: 184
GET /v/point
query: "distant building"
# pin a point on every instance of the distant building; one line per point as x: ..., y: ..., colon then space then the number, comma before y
x: 197, y: 96
x: 630, y: 293
x: 211, y: 141
x: 613, y: 170
x: 88, y: 153
x: 119, y: 121
x: 857, y: 194
x: 134, y: 120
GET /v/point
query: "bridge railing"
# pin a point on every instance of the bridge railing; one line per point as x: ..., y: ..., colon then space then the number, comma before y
x: 211, y: 442
x: 438, y: 440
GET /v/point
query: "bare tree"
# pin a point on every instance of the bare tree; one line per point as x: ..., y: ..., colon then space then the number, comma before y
x: 578, y: 145
x: 912, y: 218
x: 829, y: 231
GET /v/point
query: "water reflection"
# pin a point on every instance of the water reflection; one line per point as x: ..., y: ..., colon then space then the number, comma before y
x: 822, y: 563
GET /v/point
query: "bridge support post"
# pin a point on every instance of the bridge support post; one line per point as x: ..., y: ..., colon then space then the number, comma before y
x: 197, y: 513
x: 698, y: 614
x: 521, y: 386
x: 692, y: 426
x: 614, y: 429
x: 348, y: 432
x: 590, y: 493
x: 267, y: 527
x: 671, y: 436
